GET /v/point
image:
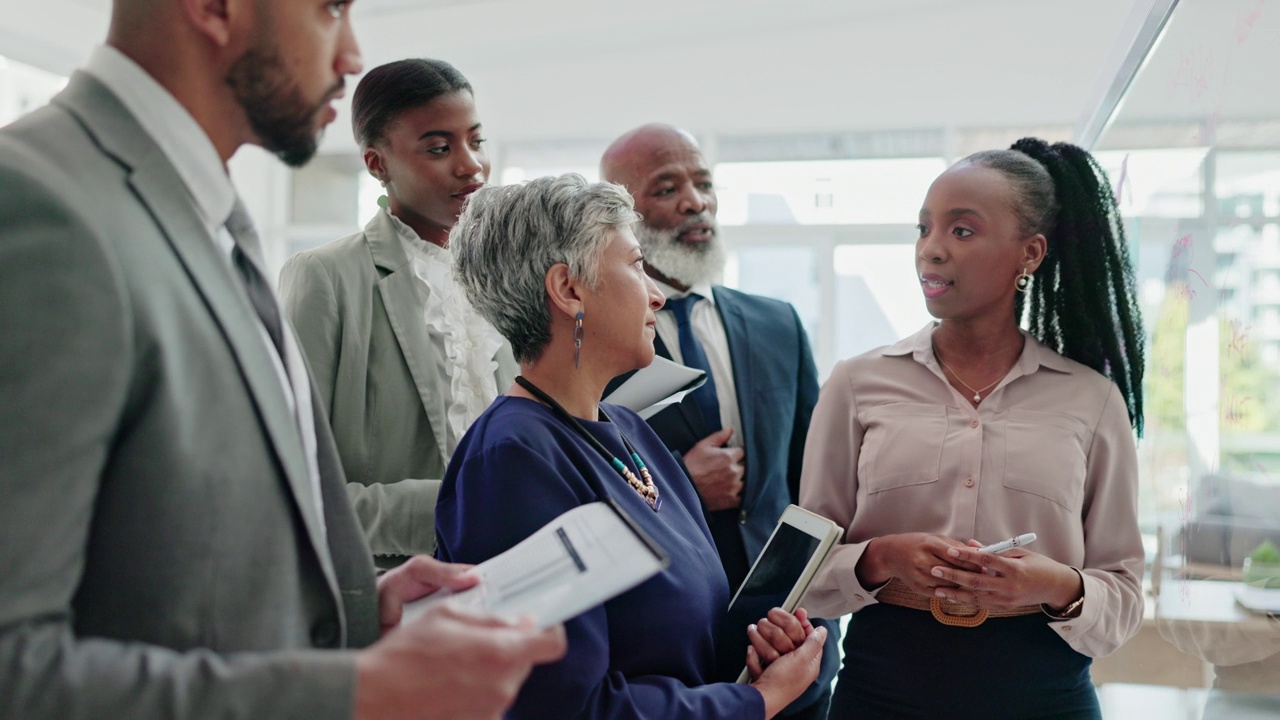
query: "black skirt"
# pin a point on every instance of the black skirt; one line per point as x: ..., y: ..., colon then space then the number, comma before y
x: 902, y: 663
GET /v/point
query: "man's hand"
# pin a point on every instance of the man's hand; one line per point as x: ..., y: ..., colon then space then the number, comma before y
x: 450, y: 663
x: 716, y: 470
x: 419, y: 577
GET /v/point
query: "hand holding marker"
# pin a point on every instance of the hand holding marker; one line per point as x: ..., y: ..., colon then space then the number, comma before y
x: 1009, y: 544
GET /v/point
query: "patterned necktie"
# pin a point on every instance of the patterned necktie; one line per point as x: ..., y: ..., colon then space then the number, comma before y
x: 247, y: 257
x: 694, y: 357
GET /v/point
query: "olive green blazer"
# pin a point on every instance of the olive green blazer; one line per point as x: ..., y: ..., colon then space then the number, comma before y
x: 359, y: 319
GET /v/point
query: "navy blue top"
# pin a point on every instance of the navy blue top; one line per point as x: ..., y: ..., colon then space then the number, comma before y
x: 647, y: 653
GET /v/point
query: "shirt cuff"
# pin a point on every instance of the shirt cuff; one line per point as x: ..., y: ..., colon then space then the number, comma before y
x: 835, y: 590
x: 1070, y: 629
x: 1073, y: 609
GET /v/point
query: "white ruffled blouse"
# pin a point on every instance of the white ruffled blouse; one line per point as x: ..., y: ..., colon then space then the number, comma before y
x: 464, y: 342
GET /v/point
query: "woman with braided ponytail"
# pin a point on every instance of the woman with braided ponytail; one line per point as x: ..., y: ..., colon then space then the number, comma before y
x: 975, y: 430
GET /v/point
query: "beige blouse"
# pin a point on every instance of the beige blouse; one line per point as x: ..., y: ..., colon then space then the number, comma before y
x: 893, y: 448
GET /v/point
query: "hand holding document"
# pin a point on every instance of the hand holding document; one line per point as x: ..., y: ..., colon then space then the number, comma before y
x: 653, y: 388
x: 573, y: 563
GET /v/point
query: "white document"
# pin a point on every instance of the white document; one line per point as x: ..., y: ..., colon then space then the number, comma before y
x: 573, y: 563
x: 657, y: 386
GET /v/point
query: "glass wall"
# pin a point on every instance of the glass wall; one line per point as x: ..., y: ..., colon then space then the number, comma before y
x: 1193, y: 151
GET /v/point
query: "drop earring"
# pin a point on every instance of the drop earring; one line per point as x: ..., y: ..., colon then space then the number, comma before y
x: 1023, y: 281
x: 384, y: 202
x: 577, y: 339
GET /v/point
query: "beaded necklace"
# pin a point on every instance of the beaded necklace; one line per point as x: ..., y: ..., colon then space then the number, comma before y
x: 647, y: 489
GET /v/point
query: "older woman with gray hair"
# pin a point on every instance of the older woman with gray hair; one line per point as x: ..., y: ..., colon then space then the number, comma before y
x: 554, y: 265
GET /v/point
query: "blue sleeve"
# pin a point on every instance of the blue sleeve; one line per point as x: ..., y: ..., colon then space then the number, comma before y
x: 500, y: 495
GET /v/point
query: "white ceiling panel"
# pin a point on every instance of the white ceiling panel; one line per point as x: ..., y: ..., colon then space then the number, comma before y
x: 555, y: 69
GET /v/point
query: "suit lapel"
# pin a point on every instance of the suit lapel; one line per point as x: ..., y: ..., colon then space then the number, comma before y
x: 165, y: 195
x: 351, y: 558
x: 735, y: 330
x: 404, y: 310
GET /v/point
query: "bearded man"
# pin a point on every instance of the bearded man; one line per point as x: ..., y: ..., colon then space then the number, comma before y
x: 740, y: 437
x: 175, y: 536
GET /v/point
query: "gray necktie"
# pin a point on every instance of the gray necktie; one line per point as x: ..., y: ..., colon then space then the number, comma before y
x: 247, y: 256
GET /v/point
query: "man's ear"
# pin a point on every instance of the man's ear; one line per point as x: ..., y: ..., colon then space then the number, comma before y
x: 562, y: 290
x: 213, y: 18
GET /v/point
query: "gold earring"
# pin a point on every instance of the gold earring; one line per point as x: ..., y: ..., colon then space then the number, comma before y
x: 1023, y: 281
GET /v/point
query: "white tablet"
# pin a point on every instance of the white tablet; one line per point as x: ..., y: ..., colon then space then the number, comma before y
x: 781, y: 574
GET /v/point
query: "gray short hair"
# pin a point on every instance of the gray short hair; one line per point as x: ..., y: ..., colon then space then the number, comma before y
x: 507, y: 238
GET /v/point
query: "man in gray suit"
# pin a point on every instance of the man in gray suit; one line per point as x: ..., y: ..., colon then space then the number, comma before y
x: 175, y: 539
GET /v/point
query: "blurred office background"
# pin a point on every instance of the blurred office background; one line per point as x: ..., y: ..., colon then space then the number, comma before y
x: 825, y: 121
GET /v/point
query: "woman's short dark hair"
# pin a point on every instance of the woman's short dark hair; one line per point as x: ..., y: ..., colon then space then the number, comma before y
x: 388, y: 90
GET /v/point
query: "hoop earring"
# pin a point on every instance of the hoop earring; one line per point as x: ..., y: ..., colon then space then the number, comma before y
x: 577, y: 339
x: 1023, y: 281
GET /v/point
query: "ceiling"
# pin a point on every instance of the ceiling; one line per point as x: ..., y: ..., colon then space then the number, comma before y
x: 1215, y: 63
x: 548, y: 70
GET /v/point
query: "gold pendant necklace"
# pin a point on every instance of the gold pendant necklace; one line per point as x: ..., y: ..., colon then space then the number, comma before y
x: 977, y: 394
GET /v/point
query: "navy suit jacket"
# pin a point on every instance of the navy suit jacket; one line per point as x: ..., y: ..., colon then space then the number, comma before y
x: 777, y: 387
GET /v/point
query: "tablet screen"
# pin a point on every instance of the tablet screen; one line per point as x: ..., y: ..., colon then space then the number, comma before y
x: 775, y: 574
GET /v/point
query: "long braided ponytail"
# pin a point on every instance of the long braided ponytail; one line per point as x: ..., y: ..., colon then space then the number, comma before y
x: 1083, y: 301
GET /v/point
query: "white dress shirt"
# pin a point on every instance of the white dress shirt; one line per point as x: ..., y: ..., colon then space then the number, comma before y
x: 197, y: 162
x: 708, y: 328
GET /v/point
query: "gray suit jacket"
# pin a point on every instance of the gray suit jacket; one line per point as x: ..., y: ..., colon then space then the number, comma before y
x: 358, y: 315
x: 160, y: 554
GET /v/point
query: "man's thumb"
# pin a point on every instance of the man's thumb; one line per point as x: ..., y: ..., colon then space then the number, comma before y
x: 719, y: 437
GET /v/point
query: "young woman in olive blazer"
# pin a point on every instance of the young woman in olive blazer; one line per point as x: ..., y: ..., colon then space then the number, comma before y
x: 402, y: 362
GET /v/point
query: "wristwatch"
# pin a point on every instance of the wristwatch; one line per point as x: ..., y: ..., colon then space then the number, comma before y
x: 1070, y: 611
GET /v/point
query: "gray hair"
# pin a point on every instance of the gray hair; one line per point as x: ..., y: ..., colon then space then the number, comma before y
x: 508, y: 237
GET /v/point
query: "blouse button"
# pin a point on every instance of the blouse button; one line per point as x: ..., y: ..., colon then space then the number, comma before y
x: 968, y: 482
x: 858, y: 598
x: 1066, y: 628
x: 973, y: 424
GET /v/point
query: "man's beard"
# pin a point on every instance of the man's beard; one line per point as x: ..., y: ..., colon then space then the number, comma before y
x: 281, y: 118
x: 686, y: 263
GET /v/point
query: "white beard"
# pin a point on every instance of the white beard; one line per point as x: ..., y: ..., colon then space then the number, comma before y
x: 689, y: 264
